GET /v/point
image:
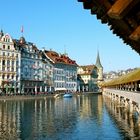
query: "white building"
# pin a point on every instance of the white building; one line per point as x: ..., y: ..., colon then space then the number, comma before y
x: 31, y: 73
x: 9, y: 64
x: 87, y: 78
x: 64, y: 72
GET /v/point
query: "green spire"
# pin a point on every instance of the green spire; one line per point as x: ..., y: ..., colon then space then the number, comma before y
x: 98, y: 62
x: 1, y: 33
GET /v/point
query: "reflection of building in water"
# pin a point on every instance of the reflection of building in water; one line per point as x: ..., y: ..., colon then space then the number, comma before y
x: 126, y: 121
x: 52, y: 118
x: 91, y: 106
x: 9, y: 120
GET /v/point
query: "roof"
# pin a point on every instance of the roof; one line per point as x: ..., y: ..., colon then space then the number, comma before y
x: 122, y: 16
x: 60, y: 58
x: 87, y: 69
x: 98, y: 62
x: 130, y: 77
x: 23, y: 43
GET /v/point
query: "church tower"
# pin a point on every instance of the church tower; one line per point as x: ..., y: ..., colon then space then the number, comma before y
x: 99, y: 67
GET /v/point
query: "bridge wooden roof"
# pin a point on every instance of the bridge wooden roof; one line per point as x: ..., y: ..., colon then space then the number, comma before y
x: 128, y: 78
x: 122, y: 16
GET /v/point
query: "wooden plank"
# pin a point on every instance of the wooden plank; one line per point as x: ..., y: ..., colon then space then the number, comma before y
x: 135, y: 34
x: 120, y: 8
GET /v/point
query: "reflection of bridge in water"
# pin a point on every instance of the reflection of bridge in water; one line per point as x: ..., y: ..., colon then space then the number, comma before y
x: 124, y: 119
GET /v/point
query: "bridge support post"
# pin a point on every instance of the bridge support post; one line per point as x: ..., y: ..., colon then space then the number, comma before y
x: 131, y: 108
x: 126, y: 104
x: 117, y: 99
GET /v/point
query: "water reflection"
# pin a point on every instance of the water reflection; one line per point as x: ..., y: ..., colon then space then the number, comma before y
x: 79, y: 118
x: 128, y: 123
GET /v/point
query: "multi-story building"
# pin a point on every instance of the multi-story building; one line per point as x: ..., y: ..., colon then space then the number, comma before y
x: 64, y: 72
x: 32, y: 67
x: 47, y: 72
x: 9, y: 64
x: 89, y: 76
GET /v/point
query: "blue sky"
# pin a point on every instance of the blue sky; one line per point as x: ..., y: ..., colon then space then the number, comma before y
x: 64, y: 25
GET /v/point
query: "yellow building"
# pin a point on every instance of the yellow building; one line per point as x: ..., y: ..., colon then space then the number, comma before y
x: 87, y: 77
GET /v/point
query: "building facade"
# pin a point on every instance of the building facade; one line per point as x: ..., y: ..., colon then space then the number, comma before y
x: 89, y: 76
x: 9, y: 64
x: 64, y: 72
x: 33, y: 68
x: 24, y: 69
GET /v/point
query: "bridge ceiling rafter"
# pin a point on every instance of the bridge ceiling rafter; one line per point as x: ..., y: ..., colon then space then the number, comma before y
x: 123, y: 17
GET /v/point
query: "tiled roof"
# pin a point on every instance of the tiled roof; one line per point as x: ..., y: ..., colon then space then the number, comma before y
x: 60, y: 58
x: 87, y: 69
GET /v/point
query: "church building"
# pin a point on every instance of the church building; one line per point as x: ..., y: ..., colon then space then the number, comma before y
x: 89, y: 76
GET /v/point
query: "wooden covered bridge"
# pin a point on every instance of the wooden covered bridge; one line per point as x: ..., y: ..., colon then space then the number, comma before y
x: 122, y: 17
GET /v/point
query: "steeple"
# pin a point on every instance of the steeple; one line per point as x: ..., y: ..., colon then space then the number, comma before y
x: 98, y: 62
x: 1, y: 33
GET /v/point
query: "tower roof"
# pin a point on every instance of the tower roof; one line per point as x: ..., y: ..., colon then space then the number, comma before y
x: 1, y: 33
x: 98, y: 62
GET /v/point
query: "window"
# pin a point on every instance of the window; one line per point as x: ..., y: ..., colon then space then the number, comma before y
x: 13, y: 62
x: 8, y: 47
x: 12, y: 76
x: 8, y: 76
x: 3, y: 46
x: 3, y: 62
x: 8, y: 69
x: 8, y: 63
x: 12, y: 68
x: 3, y: 68
x: 3, y: 76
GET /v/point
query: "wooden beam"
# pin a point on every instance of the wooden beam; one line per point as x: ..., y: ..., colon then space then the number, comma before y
x: 120, y: 8
x: 135, y: 34
x: 88, y: 5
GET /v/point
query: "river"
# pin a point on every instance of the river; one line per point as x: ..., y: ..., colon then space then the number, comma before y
x: 82, y: 117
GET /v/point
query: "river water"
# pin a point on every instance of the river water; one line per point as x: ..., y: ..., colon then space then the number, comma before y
x: 82, y: 117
